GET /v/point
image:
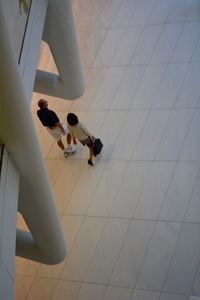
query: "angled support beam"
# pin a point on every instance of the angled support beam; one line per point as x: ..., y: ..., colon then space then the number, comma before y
x: 59, y: 33
x: 45, y: 242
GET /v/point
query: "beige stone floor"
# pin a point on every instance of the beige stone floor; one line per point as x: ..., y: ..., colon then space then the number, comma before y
x: 132, y: 222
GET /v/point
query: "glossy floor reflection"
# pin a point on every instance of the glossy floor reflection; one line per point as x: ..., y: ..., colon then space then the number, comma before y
x: 132, y: 222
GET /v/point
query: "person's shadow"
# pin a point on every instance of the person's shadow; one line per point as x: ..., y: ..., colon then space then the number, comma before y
x: 23, y: 4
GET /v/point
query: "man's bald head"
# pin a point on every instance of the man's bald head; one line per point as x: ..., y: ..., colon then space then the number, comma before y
x: 42, y: 103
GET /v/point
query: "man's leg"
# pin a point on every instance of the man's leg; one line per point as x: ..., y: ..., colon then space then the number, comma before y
x: 56, y: 134
x: 69, y: 139
x: 70, y: 148
x: 60, y: 144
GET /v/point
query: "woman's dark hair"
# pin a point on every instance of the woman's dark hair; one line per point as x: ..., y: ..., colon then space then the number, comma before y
x: 72, y: 119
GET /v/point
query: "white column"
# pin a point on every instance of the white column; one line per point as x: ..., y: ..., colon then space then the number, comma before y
x: 59, y: 33
x: 8, y: 213
x: 46, y: 242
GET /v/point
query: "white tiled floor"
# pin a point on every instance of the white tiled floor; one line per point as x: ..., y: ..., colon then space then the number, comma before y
x: 132, y: 222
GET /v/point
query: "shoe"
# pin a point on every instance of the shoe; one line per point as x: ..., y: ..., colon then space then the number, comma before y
x: 90, y: 162
x: 66, y: 154
x: 73, y: 148
x: 70, y: 149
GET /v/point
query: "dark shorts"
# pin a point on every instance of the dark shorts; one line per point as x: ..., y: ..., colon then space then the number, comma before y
x: 87, y: 142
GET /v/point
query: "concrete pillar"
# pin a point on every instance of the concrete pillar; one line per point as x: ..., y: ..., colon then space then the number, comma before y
x: 46, y: 242
x: 59, y: 33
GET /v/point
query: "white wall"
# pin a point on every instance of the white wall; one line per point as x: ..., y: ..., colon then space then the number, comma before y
x: 8, y: 213
x: 16, y: 25
x: 32, y: 42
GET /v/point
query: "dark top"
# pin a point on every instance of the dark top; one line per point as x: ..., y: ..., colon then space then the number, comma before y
x: 47, y: 117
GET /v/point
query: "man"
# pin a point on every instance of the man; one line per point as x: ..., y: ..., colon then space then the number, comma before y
x: 50, y: 120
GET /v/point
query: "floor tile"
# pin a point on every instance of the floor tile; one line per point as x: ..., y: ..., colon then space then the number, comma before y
x: 107, y: 251
x: 92, y: 84
x: 192, y: 214
x: 151, y: 135
x: 196, y: 283
x: 166, y: 296
x: 149, y: 86
x: 83, y: 249
x: 128, y: 87
x: 84, y: 190
x: 26, y: 267
x: 166, y: 43
x: 174, y: 134
x: 96, y: 14
x: 186, y: 43
x: 145, y: 295
x: 131, y: 189
x: 108, y: 88
x: 108, y: 48
x: 126, y: 46
x: 170, y: 86
x: 94, y: 121
x: 184, y: 261
x: 41, y: 289
x: 109, y: 133
x: 194, y: 14
x: 91, y: 291
x: 46, y: 142
x: 196, y: 53
x: 160, y: 12
x: 54, y: 168
x: 179, y: 191
x: 142, y: 13
x: 131, y: 257
x: 117, y: 293
x: 129, y: 134
x: 107, y: 189
x: 158, y: 256
x: 89, y: 42
x: 188, y: 96
x: 71, y: 226
x: 179, y: 11
x: 125, y: 13
x: 22, y: 286
x: 154, y: 191
x: 146, y: 44
x: 49, y: 271
x: 69, y: 174
x: 66, y: 290
x: 191, y: 147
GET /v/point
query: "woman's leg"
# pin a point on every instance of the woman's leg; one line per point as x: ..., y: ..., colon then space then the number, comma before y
x: 91, y: 155
x: 60, y: 144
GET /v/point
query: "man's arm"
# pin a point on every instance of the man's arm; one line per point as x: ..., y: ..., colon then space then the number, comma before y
x: 59, y: 125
